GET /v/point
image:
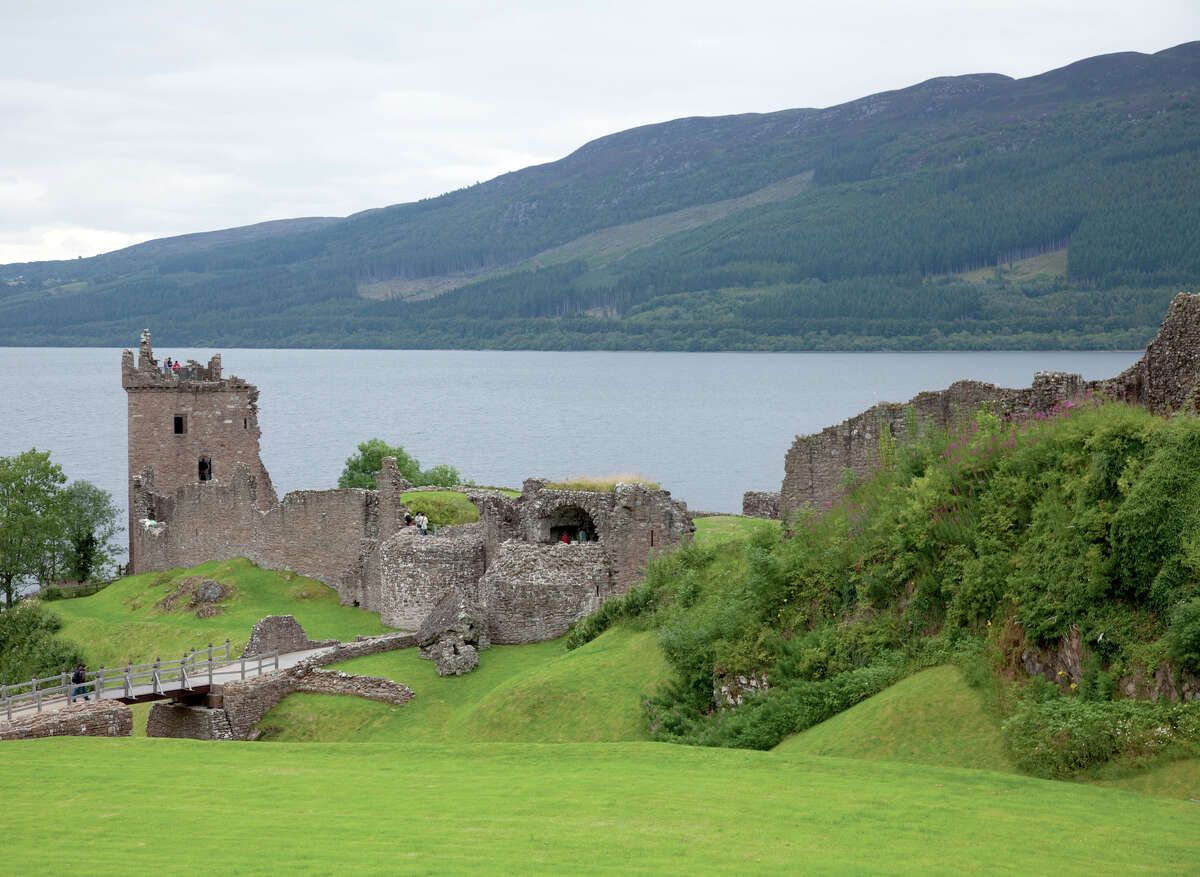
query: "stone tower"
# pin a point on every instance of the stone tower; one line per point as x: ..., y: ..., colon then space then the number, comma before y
x: 188, y: 427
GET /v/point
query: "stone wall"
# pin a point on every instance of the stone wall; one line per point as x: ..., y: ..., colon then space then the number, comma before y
x: 243, y: 704
x: 105, y: 718
x: 315, y: 533
x: 1165, y: 379
x: 533, y: 592
x: 182, y: 722
x: 415, y: 571
x: 760, y: 504
x: 281, y: 633
x: 1167, y: 376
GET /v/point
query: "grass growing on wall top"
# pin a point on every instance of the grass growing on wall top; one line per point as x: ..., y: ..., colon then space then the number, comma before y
x: 532, y: 693
x: 114, y: 807
x: 125, y: 623
x: 601, y: 483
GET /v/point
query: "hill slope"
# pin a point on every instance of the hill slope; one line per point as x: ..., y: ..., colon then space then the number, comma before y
x: 804, y: 228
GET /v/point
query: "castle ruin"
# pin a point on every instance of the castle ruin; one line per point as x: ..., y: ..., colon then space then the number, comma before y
x: 1165, y: 379
x: 198, y: 491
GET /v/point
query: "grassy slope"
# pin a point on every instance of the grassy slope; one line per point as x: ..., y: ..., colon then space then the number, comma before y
x: 931, y: 718
x: 151, y: 806
x: 935, y: 718
x: 123, y: 623
x: 535, y: 693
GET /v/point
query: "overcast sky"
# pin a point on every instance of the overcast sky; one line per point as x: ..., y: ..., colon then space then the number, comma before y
x: 124, y: 121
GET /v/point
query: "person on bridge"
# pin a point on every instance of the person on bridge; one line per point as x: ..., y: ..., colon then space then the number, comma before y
x: 79, y: 679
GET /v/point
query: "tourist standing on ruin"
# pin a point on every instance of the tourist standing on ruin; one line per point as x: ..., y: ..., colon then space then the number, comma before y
x: 422, y: 524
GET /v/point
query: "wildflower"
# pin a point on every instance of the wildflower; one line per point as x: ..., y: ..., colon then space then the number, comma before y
x: 1061, y: 673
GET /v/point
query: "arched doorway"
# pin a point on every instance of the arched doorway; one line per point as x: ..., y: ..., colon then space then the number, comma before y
x: 569, y: 521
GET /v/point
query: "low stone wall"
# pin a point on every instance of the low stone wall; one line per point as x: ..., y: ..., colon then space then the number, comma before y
x: 760, y: 504
x: 182, y: 722
x: 101, y: 719
x: 245, y: 703
x: 348, y: 684
x: 282, y: 633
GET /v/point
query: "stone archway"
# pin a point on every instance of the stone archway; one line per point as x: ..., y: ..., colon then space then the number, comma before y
x: 570, y: 521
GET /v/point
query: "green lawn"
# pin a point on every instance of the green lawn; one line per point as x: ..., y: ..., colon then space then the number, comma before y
x: 124, y: 622
x: 933, y: 717
x: 118, y: 807
x: 534, y: 693
x: 729, y: 528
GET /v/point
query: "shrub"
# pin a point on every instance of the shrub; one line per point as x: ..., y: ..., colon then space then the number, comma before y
x: 1053, y: 736
x: 1183, y: 636
x: 28, y: 645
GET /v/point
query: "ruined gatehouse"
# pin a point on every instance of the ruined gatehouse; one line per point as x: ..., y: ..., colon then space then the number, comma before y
x: 198, y: 491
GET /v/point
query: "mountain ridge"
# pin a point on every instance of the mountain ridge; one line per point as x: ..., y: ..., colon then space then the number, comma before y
x: 967, y: 147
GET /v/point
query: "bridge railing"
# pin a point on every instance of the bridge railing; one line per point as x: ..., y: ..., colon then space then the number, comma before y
x: 134, y: 680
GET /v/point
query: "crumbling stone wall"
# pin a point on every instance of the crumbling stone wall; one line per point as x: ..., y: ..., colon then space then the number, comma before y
x: 314, y: 533
x: 282, y: 633
x: 533, y: 592
x: 759, y: 504
x: 415, y: 571
x: 104, y: 718
x: 245, y: 703
x: 1166, y: 378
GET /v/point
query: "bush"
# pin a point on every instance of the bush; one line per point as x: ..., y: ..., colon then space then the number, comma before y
x: 1050, y: 735
x: 1183, y: 636
x: 28, y: 646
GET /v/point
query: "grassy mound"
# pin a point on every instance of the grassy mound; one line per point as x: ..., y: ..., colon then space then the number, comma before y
x: 570, y: 809
x: 153, y: 614
x: 534, y: 693
x: 933, y: 717
x: 442, y: 507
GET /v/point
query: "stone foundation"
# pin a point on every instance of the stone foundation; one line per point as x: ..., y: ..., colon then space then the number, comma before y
x: 105, y: 718
x: 182, y: 722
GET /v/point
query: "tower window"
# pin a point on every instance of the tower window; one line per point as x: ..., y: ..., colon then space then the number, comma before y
x: 245, y: 423
x: 205, y: 469
x: 180, y: 424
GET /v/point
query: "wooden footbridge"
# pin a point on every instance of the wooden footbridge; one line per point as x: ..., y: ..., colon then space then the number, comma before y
x: 192, y: 675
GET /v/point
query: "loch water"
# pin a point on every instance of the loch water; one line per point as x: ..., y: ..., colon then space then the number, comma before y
x: 707, y: 426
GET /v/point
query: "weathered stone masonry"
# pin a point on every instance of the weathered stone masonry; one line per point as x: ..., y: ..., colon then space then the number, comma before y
x: 512, y: 563
x: 1166, y: 378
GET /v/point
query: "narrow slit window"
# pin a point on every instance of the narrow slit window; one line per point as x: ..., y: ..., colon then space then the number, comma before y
x: 180, y: 424
x: 245, y: 423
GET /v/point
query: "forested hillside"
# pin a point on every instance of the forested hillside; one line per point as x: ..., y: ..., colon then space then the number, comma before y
x: 858, y: 226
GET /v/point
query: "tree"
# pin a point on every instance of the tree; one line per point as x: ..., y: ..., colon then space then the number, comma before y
x: 31, y: 520
x: 28, y: 645
x: 362, y: 468
x: 90, y: 523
